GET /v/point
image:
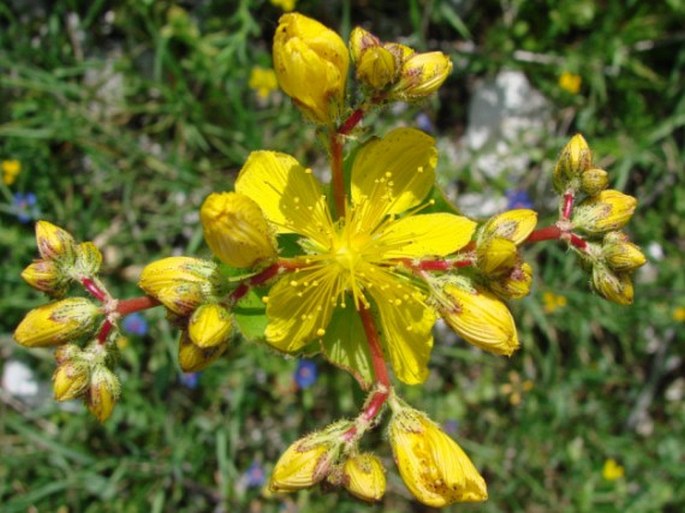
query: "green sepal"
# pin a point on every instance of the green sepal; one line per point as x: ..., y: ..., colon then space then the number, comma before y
x: 250, y: 314
x: 344, y: 345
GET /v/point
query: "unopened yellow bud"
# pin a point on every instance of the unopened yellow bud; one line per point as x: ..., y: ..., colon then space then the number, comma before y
x: 46, y: 276
x: 103, y: 392
x: 376, y: 66
x: 434, y: 468
x: 309, y: 460
x: 514, y: 225
x: 615, y: 287
x: 574, y: 159
x: 421, y: 75
x: 593, y: 181
x: 236, y: 230
x: 210, y: 325
x: 192, y: 358
x: 88, y: 260
x: 58, y: 322
x: 183, y: 283
x: 621, y: 254
x: 496, y: 255
x: 67, y: 352
x: 71, y: 379
x: 479, y: 317
x: 609, y: 210
x: 514, y: 285
x: 54, y: 243
x: 364, y: 477
x: 311, y: 63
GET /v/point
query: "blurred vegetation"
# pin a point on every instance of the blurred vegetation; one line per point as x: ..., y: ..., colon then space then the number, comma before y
x: 124, y: 115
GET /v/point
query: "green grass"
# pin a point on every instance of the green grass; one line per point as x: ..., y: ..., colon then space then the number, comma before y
x: 127, y: 116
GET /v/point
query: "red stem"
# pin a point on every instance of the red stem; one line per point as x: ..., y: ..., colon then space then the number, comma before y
x: 93, y: 289
x: 435, y: 265
x: 104, y: 332
x: 351, y: 122
x: 379, y: 368
x: 262, y: 277
x: 567, y: 207
x: 136, y: 304
x: 555, y: 233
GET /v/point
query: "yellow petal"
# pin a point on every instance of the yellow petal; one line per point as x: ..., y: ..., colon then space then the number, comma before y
x: 426, y: 235
x: 392, y: 174
x: 514, y: 225
x: 300, y: 307
x: 406, y: 324
x: 287, y: 193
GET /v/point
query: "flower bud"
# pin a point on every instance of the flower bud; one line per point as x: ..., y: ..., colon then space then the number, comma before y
x: 71, y: 379
x: 236, y: 230
x: 480, y: 318
x: 375, y: 65
x: 573, y: 161
x: 67, y: 352
x: 183, y: 283
x: 46, y: 276
x: 311, y: 63
x: 88, y: 260
x: 434, y: 468
x: 309, y: 460
x: 54, y: 243
x: 209, y: 325
x: 621, y: 254
x: 421, y: 75
x: 58, y: 322
x: 496, y: 255
x: 103, y: 392
x: 607, y: 211
x: 593, y: 181
x: 514, y: 225
x: 514, y: 285
x: 614, y: 287
x: 364, y: 477
x: 192, y: 358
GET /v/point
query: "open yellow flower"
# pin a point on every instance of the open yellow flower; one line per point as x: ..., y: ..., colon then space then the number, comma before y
x: 358, y: 255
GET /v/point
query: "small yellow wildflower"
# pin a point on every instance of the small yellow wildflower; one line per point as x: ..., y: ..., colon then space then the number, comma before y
x: 553, y: 302
x: 611, y: 471
x: 516, y: 388
x: 355, y: 259
x: 570, y: 82
x: 10, y: 170
x: 286, y: 5
x: 263, y: 81
x: 679, y: 314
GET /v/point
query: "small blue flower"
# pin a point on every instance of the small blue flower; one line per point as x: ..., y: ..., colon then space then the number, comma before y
x: 254, y: 476
x: 24, y: 207
x: 190, y: 380
x: 135, y: 324
x: 451, y: 426
x: 518, y: 198
x: 423, y: 121
x: 306, y: 373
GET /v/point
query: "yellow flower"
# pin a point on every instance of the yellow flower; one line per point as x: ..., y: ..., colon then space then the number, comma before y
x: 193, y: 358
x: 57, y: 323
x: 308, y: 460
x: 570, y: 82
x: 363, y: 476
x: 375, y: 65
x: 607, y: 211
x: 575, y: 158
x: 516, y: 388
x: 235, y: 229
x: 479, y: 317
x: 421, y: 75
x: 71, y: 379
x: 286, y: 5
x: 10, y: 170
x: 311, y: 63
x: 611, y: 471
x: 46, y: 276
x: 103, y: 392
x: 679, y: 314
x: 434, y: 468
x: 262, y: 81
x: 553, y: 302
x: 54, y: 243
x: 593, y: 181
x: 210, y: 325
x: 357, y: 256
x: 615, y: 287
x: 513, y: 225
x: 621, y: 255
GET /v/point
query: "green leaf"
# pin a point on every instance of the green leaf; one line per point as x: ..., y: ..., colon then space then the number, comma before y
x: 344, y: 345
x: 250, y: 314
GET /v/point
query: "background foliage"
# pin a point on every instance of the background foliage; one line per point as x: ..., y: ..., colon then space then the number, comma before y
x: 126, y: 114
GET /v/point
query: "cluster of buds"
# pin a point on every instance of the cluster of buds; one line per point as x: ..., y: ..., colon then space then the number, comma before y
x: 432, y: 465
x: 192, y: 290
x: 394, y: 71
x: 311, y: 63
x: 607, y: 252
